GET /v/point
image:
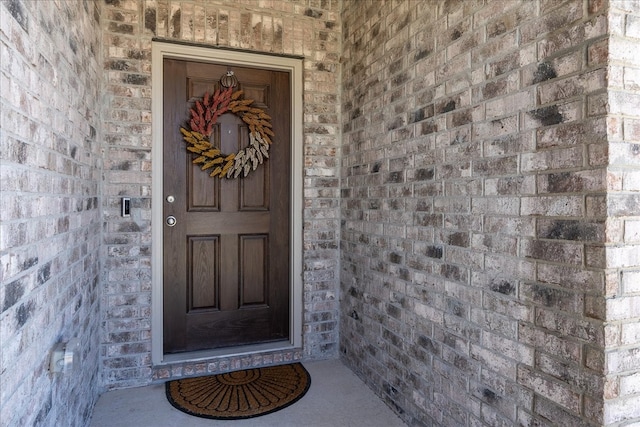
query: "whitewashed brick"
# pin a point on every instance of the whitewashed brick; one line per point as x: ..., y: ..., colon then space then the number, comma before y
x: 622, y: 409
x: 630, y: 384
x: 631, y: 281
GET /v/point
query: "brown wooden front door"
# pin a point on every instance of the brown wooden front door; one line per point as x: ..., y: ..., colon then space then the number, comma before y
x: 226, y: 260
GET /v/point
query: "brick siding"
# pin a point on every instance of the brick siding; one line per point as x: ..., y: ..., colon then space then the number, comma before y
x: 50, y: 230
x: 471, y: 200
x: 310, y: 29
x: 480, y: 235
x: 621, y: 360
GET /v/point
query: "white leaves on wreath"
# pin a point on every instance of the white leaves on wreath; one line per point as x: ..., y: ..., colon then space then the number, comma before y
x: 250, y: 157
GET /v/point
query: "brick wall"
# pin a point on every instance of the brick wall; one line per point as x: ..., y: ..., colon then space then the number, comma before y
x: 50, y: 172
x: 489, y: 200
x: 485, y: 269
x: 622, y: 356
x: 309, y: 28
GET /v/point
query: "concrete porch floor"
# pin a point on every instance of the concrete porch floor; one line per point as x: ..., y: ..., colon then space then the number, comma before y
x: 337, y: 397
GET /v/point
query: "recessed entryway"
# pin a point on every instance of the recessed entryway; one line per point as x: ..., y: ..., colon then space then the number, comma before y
x: 227, y: 269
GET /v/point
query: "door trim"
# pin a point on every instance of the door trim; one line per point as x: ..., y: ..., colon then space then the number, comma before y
x: 160, y: 51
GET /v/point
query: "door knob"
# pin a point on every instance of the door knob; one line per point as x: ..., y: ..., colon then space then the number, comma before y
x: 171, y: 220
x: 171, y: 199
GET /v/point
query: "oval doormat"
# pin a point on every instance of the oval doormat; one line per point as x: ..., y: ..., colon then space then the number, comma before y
x: 241, y: 394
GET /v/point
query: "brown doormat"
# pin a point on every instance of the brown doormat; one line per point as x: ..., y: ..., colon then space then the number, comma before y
x: 241, y: 394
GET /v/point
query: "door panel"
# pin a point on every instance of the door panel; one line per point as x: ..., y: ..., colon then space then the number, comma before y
x: 253, y: 276
x: 226, y: 261
x: 204, y: 281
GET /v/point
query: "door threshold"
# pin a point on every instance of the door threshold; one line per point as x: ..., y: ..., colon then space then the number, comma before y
x: 200, y: 355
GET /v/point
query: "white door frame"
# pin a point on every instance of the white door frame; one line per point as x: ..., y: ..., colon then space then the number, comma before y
x: 160, y: 51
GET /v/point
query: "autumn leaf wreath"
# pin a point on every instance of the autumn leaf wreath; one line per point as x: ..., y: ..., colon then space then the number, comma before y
x: 204, y: 115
